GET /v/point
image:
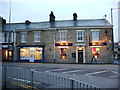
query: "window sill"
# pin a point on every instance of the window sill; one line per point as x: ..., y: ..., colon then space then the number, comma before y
x: 36, y: 41
x: 80, y: 41
x: 23, y: 42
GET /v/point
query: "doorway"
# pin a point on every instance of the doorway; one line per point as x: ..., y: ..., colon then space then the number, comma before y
x: 80, y: 56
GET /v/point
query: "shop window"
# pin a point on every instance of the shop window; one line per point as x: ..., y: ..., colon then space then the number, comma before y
x: 31, y: 52
x: 38, y: 54
x: 63, y: 54
x: 24, y: 53
x: 96, y: 52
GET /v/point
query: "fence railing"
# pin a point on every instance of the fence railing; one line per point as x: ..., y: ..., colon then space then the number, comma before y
x: 15, y: 77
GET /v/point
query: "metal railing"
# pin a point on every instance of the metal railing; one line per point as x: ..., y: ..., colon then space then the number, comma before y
x: 15, y: 77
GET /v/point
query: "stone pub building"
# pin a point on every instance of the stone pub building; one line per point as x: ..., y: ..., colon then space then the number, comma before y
x: 64, y: 41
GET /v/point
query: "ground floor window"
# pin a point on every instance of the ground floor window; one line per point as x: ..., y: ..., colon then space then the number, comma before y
x: 31, y: 52
x: 63, y: 53
x: 5, y: 54
x: 96, y: 51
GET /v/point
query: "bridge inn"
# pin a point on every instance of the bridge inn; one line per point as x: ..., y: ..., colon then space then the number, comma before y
x: 64, y: 41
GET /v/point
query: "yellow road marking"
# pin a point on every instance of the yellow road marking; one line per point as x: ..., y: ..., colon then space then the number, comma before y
x: 19, y: 84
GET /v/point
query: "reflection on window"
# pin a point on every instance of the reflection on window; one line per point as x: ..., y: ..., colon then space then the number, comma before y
x: 63, y: 54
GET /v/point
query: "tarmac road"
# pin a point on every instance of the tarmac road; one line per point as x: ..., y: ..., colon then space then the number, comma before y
x: 103, y: 76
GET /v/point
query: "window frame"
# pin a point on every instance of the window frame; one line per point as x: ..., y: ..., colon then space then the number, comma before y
x: 23, y: 37
x: 63, y: 36
x: 81, y: 36
x: 38, y: 36
x: 95, y: 35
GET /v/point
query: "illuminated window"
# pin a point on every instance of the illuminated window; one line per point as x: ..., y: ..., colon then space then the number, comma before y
x: 24, y: 53
x: 95, y: 35
x: 63, y: 36
x: 31, y: 52
x: 23, y: 36
x: 95, y: 50
x: 38, y: 54
x: 63, y: 54
x: 80, y: 36
x: 37, y: 36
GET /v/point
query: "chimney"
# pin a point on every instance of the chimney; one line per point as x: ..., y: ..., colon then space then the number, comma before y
x: 52, y: 17
x: 2, y: 20
x: 74, y: 16
x: 27, y: 22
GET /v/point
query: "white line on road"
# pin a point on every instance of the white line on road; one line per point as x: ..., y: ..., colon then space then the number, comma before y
x: 25, y: 80
x: 115, y: 72
x: 72, y: 71
x: 53, y: 70
x: 114, y: 76
x: 96, y: 72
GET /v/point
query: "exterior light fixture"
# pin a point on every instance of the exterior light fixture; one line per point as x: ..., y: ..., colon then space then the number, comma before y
x: 96, y: 56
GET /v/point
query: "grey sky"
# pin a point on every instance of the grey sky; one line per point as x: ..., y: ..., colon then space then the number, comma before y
x: 39, y: 10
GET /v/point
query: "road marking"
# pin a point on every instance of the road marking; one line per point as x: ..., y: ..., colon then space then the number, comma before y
x: 23, y: 80
x: 53, y: 70
x: 115, y: 72
x: 72, y: 71
x: 114, y: 76
x: 96, y: 72
x: 32, y: 69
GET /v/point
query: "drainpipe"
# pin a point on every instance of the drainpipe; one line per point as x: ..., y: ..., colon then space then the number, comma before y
x: 54, y: 43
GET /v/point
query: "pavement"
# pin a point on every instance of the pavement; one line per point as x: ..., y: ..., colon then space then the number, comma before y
x: 100, y: 75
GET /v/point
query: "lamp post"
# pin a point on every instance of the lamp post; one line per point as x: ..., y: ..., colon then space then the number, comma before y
x: 9, y: 33
x: 112, y: 14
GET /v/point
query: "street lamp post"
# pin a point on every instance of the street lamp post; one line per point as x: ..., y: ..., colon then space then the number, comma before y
x: 112, y: 14
x: 9, y: 33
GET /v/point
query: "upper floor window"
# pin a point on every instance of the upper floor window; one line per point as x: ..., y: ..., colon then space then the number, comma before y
x: 80, y: 35
x: 95, y: 35
x: 23, y: 36
x: 63, y: 37
x: 37, y: 36
x: 5, y: 37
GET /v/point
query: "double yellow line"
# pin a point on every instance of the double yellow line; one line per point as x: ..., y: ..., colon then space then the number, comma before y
x: 21, y: 85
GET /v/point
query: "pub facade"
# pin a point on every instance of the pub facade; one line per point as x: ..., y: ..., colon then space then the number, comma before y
x: 65, y: 41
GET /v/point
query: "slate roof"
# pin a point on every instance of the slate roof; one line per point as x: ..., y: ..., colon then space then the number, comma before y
x: 59, y: 24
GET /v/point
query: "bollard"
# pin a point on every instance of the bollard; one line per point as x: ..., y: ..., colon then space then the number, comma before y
x: 32, y: 82
x: 5, y: 76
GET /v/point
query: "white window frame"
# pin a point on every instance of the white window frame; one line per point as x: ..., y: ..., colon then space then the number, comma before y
x: 5, y: 38
x: 63, y: 36
x: 95, y: 35
x: 37, y: 37
x: 23, y: 37
x: 81, y: 35
x: 1, y: 37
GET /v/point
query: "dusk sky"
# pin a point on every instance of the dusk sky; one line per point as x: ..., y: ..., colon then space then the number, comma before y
x: 39, y: 10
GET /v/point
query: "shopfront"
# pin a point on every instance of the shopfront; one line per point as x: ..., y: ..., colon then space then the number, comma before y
x: 31, y: 53
x: 7, y: 53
